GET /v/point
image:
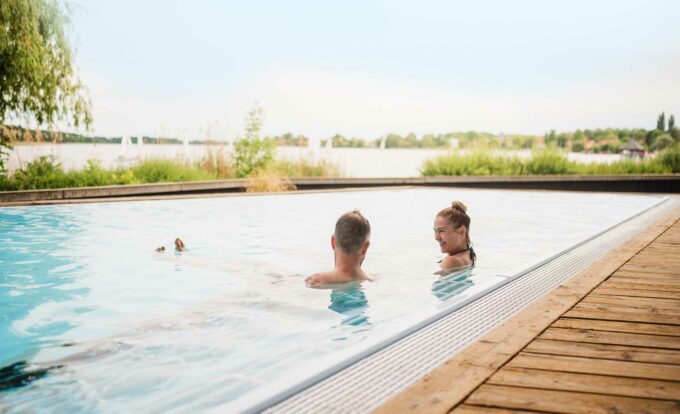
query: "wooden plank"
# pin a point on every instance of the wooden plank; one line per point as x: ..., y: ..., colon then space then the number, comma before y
x: 474, y: 409
x: 602, y: 290
x: 651, y: 258
x: 655, y: 276
x: 608, y: 315
x: 644, y: 303
x: 658, y: 249
x: 640, y: 286
x: 668, y: 239
x: 649, y: 254
x: 614, y: 338
x: 598, y: 384
x: 650, y: 311
x: 617, y: 326
x: 596, y: 366
x: 604, y: 351
x: 663, y: 283
x: 566, y: 402
x: 648, y: 269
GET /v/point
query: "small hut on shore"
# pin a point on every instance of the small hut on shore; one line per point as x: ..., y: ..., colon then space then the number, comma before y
x: 633, y: 149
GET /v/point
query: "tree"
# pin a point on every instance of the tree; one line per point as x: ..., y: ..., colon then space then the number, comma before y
x: 252, y: 153
x: 662, y: 142
x: 550, y: 138
x: 672, y: 130
x: 37, y: 81
x: 661, y: 122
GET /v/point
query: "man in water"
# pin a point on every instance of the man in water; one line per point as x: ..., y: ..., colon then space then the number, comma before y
x: 350, y: 243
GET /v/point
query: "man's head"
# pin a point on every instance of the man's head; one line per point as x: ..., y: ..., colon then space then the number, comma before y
x: 352, y: 233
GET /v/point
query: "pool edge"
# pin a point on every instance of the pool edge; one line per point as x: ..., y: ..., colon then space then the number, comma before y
x: 450, y: 383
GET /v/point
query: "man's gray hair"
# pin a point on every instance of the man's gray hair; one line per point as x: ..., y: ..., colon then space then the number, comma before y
x: 351, y: 232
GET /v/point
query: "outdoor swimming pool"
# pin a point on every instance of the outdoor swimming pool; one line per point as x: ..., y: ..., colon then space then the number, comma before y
x: 106, y: 325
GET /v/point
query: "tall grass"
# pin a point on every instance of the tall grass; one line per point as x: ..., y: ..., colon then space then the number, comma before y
x: 159, y: 171
x: 305, y: 168
x: 269, y: 181
x: 545, y: 162
x: 46, y: 172
x: 218, y: 163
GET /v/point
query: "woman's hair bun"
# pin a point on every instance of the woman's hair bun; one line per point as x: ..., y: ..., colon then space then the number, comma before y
x: 458, y: 205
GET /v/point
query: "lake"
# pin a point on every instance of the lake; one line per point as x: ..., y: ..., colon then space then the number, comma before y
x: 353, y: 162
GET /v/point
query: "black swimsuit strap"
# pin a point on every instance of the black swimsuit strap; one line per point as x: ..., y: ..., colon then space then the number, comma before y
x: 459, y: 251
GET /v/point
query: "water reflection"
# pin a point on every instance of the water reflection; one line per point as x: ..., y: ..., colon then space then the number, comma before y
x: 21, y: 374
x: 452, y: 284
x: 350, y: 302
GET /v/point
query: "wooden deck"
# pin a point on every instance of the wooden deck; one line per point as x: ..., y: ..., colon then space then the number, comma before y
x: 615, y: 349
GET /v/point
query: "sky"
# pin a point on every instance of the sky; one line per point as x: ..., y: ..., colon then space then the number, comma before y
x: 362, y: 68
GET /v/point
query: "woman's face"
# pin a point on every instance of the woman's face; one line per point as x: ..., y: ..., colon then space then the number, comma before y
x: 449, y: 239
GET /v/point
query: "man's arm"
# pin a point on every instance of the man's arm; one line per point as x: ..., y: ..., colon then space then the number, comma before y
x: 325, y: 278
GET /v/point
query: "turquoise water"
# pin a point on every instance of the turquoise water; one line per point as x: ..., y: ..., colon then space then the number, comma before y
x: 92, y: 320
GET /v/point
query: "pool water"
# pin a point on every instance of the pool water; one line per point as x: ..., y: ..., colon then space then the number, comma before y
x: 93, y: 320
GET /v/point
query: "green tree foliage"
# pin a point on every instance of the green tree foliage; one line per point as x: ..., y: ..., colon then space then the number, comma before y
x: 663, y: 141
x: 5, y: 148
x: 672, y: 130
x: 661, y: 122
x: 339, y: 141
x: 36, y: 74
x: 550, y: 139
x: 290, y: 140
x: 252, y: 153
x: 37, y: 81
x: 670, y: 159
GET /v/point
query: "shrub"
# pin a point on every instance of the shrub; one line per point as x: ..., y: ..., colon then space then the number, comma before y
x: 44, y: 172
x: 670, y: 159
x: 157, y: 171
x: 662, y: 142
x: 252, y: 153
x: 306, y: 168
x: 548, y: 162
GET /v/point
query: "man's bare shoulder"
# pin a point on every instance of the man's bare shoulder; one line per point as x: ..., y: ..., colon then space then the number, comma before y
x: 334, y: 277
x: 323, y: 278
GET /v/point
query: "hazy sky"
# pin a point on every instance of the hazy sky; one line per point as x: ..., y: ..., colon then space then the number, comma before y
x: 366, y: 68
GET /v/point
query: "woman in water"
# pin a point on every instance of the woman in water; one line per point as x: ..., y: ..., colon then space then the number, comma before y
x: 452, y: 232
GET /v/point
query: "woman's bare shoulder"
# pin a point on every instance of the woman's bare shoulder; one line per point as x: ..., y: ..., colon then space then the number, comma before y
x: 454, y: 262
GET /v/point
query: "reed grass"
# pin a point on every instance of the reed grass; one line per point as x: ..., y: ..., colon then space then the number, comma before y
x: 305, y: 168
x: 544, y: 162
x: 269, y: 181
